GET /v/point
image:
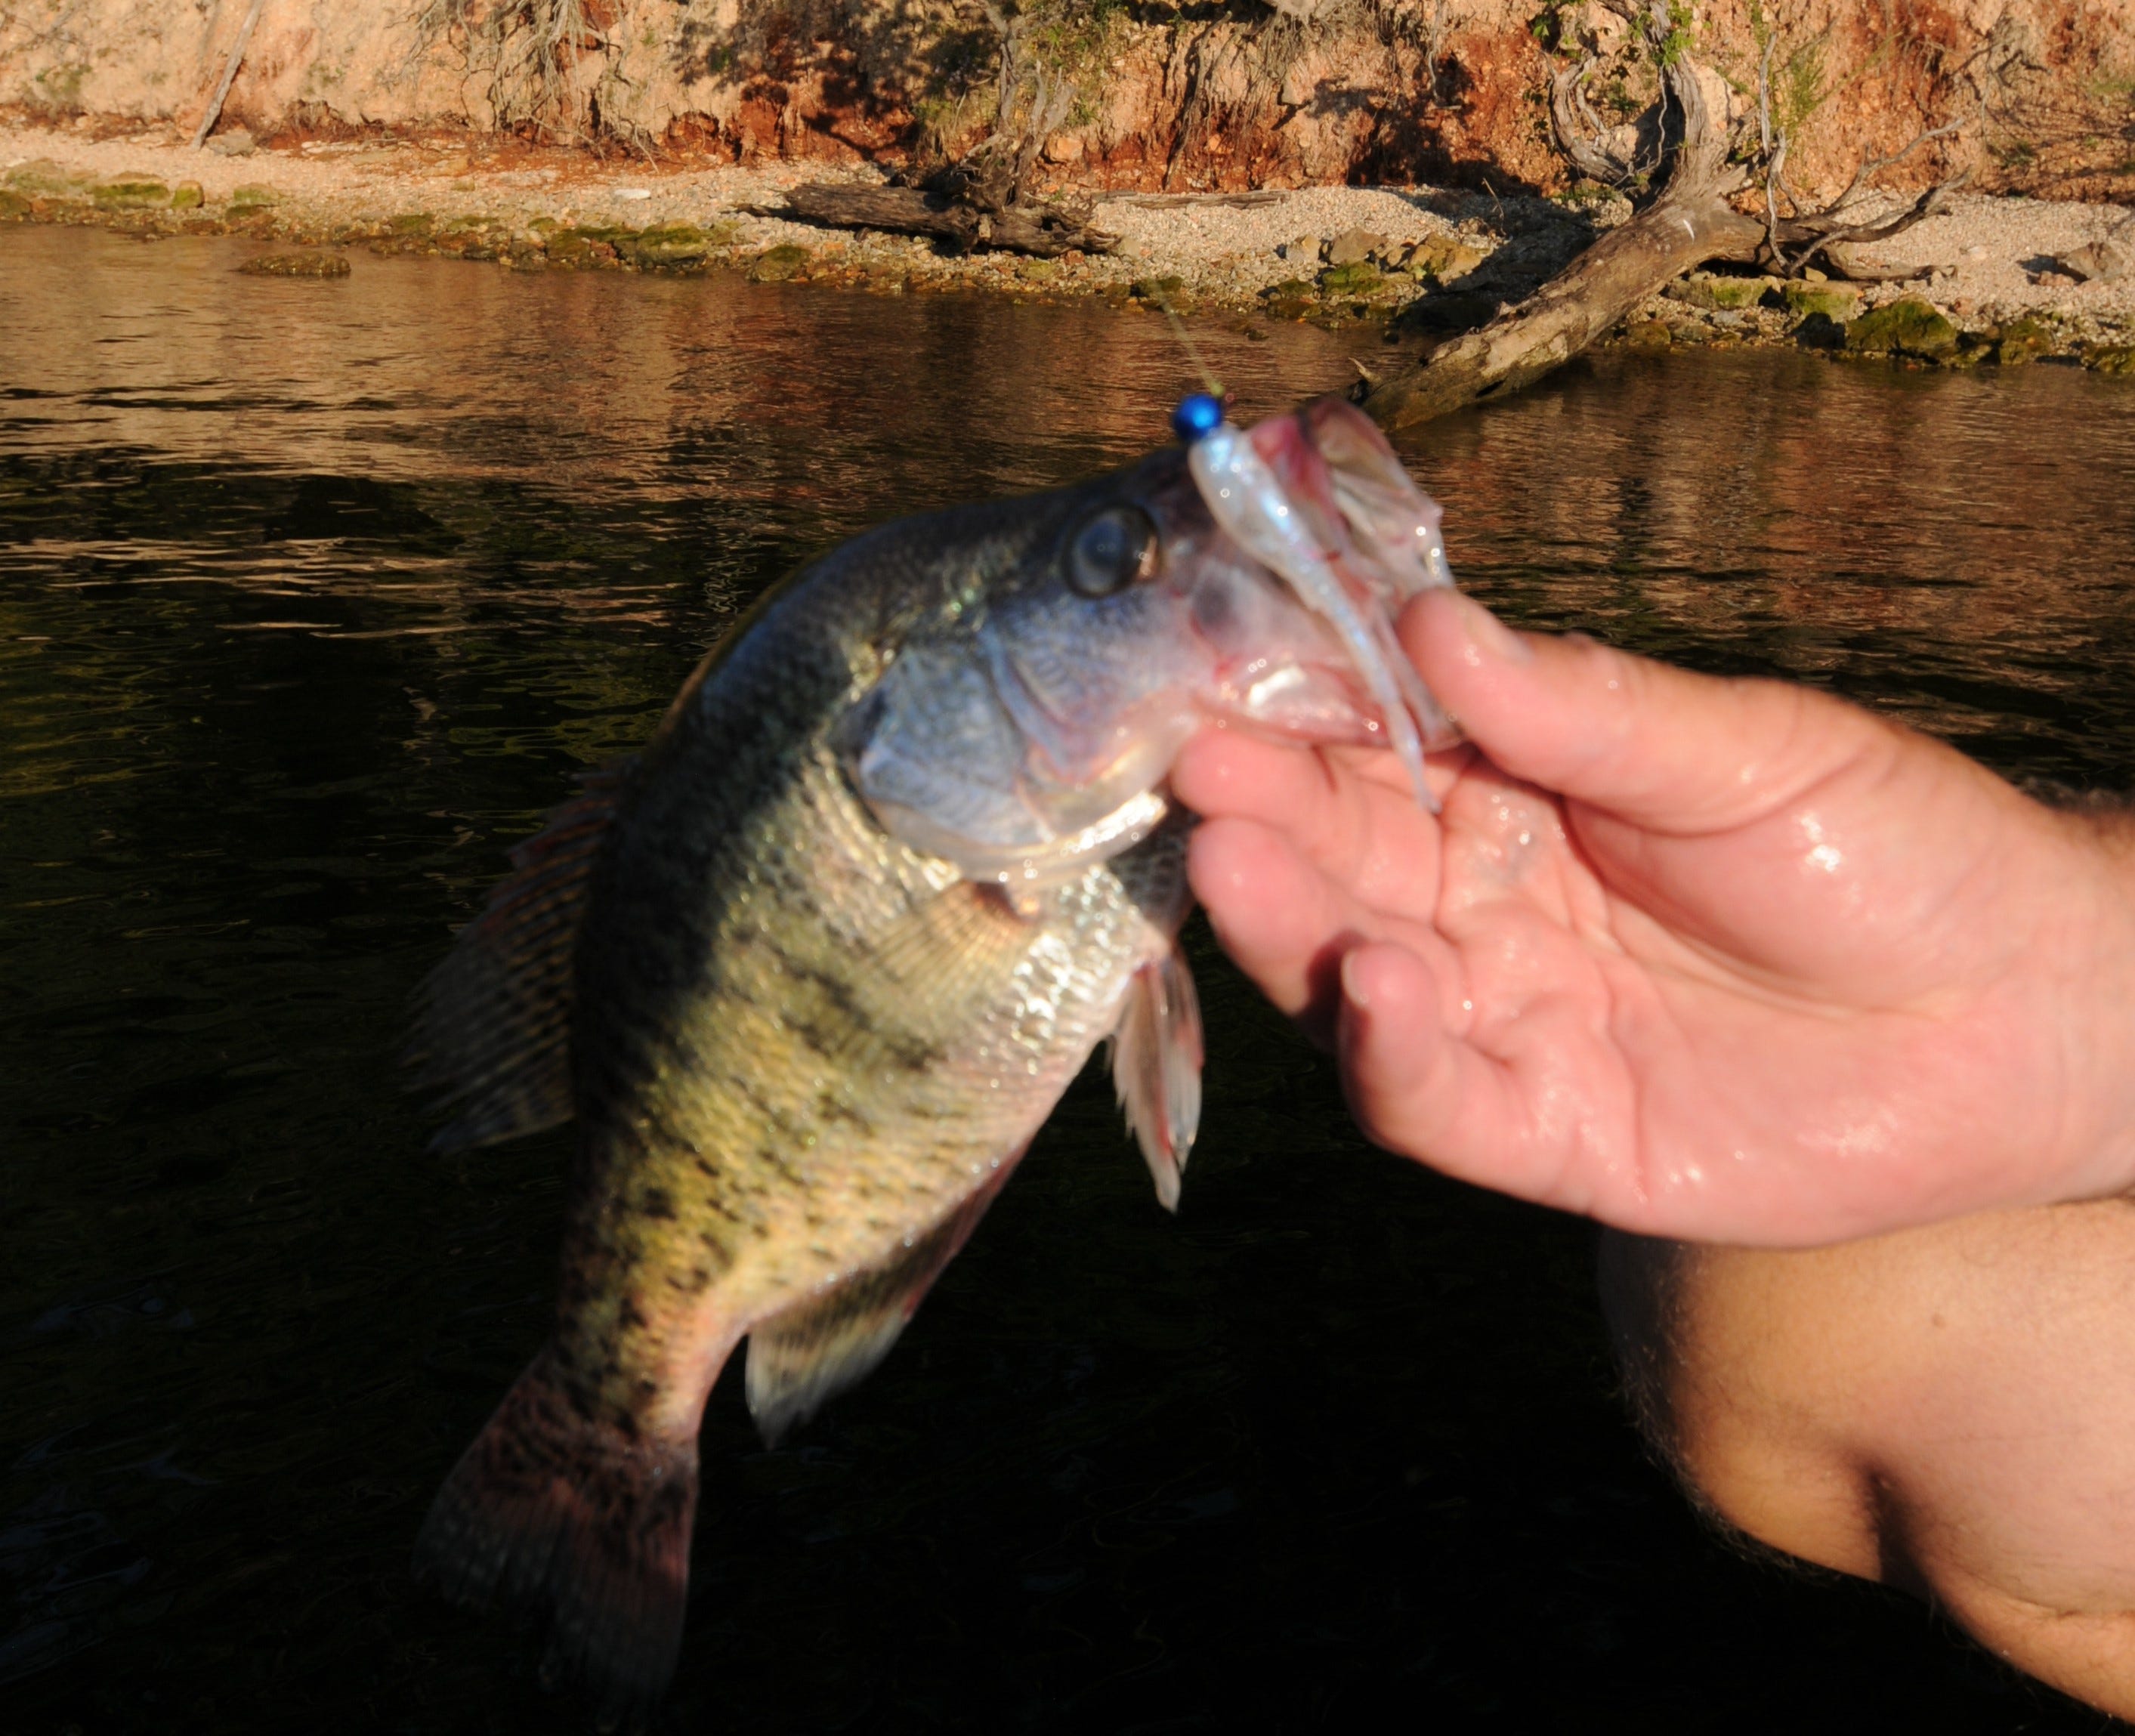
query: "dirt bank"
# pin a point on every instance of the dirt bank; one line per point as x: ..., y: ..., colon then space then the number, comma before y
x: 1149, y: 95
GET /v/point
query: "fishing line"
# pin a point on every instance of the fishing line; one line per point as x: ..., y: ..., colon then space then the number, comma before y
x: 1178, y: 330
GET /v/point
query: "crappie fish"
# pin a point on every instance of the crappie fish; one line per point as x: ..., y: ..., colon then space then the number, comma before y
x: 811, y: 970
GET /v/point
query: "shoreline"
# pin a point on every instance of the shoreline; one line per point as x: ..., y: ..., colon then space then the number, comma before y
x: 1424, y: 262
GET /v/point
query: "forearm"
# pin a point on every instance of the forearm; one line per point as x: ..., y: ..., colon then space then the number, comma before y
x: 1951, y: 1409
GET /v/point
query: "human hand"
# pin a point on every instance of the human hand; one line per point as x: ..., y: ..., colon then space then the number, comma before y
x: 1727, y: 961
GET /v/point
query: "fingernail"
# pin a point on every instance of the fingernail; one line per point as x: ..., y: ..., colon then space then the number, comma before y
x: 1490, y: 636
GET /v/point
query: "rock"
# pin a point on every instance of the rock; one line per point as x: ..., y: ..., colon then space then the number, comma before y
x: 41, y: 175
x: 188, y: 195
x: 671, y: 243
x: 411, y: 223
x: 1356, y: 278
x: 252, y: 196
x: 2112, y: 359
x: 1819, y: 330
x: 1038, y: 271
x: 1906, y: 328
x: 130, y: 192
x: 2022, y: 340
x: 2101, y: 262
x: 1708, y: 289
x: 775, y: 265
x: 1353, y: 246
x: 1291, y: 299
x: 13, y: 207
x: 237, y: 141
x: 1446, y: 312
x: 1444, y: 257
x: 296, y: 265
x: 1649, y: 335
x: 1160, y: 292
x: 1305, y: 249
x: 568, y: 247
x: 1838, y: 302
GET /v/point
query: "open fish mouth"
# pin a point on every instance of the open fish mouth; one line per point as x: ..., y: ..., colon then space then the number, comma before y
x: 1319, y: 498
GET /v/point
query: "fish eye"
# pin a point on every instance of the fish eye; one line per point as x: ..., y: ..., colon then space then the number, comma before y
x: 1111, y: 551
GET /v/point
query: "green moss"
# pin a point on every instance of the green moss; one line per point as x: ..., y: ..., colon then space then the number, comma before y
x: 411, y: 223
x: 775, y: 265
x: 188, y: 196
x: 1158, y: 292
x: 1705, y: 289
x: 254, y: 197
x: 296, y: 265
x: 2022, y: 340
x: 2112, y: 359
x: 671, y: 243
x: 13, y: 207
x: 1362, y: 279
x: 41, y: 175
x: 1907, y: 327
x: 130, y: 192
x: 1835, y: 302
x: 1647, y: 334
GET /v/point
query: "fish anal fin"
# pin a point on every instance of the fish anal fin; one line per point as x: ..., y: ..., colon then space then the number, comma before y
x: 1156, y: 1068
x: 554, y: 1510
x: 806, y: 1354
x: 492, y: 1021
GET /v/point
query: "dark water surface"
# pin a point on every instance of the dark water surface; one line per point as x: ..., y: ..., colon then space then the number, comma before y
x: 311, y: 597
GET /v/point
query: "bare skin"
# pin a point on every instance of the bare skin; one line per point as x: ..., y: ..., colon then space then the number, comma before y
x: 1950, y: 1410
x: 1734, y: 963
x: 1726, y: 960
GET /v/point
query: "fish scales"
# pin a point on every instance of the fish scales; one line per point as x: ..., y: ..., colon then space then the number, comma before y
x: 811, y: 972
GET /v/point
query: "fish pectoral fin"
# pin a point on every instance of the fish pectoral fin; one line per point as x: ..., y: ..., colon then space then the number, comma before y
x: 805, y: 1355
x: 928, y: 968
x: 1156, y: 1067
x: 492, y: 1021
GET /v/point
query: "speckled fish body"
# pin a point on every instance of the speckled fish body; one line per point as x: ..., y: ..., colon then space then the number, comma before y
x: 813, y: 972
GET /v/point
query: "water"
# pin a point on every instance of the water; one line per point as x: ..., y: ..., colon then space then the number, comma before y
x: 312, y: 595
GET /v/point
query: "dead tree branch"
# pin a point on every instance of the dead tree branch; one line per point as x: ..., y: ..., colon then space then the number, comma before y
x: 1045, y: 231
x: 1691, y: 222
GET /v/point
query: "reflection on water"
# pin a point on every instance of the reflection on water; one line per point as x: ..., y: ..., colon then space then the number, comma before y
x: 311, y: 596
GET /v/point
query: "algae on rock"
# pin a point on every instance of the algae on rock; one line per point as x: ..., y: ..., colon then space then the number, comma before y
x: 1907, y: 327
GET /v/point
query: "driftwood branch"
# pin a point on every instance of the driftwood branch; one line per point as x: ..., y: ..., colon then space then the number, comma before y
x: 1689, y: 224
x: 1692, y: 222
x: 1045, y: 231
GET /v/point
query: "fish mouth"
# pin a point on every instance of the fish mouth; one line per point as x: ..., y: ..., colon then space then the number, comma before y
x: 1319, y: 500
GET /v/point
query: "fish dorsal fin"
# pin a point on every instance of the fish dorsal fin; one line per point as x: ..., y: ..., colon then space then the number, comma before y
x: 805, y: 1355
x: 492, y: 1021
x: 1156, y: 1067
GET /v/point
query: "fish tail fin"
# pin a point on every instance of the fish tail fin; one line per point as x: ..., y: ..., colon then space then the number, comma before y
x: 552, y: 1508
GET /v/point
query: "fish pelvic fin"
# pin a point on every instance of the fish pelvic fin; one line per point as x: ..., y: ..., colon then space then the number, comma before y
x: 492, y: 1036
x: 552, y: 1510
x: 804, y: 1355
x: 1156, y: 1068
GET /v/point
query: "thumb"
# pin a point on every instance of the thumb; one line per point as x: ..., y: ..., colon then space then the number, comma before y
x: 1658, y: 747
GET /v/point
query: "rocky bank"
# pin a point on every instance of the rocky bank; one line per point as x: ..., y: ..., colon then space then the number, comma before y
x: 1987, y: 285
